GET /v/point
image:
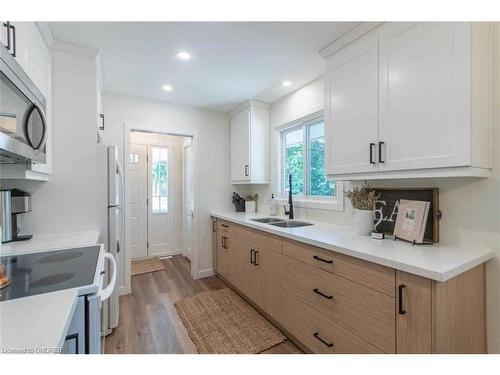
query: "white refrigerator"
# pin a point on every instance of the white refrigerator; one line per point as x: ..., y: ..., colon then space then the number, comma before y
x: 114, y: 231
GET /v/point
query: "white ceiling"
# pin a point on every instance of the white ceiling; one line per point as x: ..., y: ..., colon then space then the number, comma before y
x: 231, y: 61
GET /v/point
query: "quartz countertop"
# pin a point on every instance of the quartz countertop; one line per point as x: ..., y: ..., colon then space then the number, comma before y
x: 50, y: 242
x: 437, y: 262
x: 36, y: 324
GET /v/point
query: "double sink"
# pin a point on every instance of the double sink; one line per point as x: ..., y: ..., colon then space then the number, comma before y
x: 281, y: 223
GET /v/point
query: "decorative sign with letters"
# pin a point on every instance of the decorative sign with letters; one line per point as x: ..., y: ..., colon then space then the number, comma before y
x: 386, y: 209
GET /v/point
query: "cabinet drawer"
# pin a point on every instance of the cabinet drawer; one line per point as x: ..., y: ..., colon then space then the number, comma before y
x: 365, y: 312
x: 265, y: 240
x: 369, y: 274
x: 226, y: 225
x: 309, y: 327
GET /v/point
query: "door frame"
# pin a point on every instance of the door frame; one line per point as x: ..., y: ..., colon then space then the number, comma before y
x: 161, y: 129
x: 184, y: 195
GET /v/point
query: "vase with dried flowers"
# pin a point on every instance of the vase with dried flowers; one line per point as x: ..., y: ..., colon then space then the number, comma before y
x: 363, y: 200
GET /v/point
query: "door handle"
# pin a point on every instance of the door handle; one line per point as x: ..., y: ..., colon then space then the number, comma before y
x: 13, y: 40
x: 402, y: 311
x: 329, y: 344
x: 317, y: 291
x: 246, y: 170
x: 323, y: 260
x: 371, y: 153
x: 255, y: 258
x: 106, y: 292
x: 7, y: 27
x: 224, y: 242
x: 380, y: 152
x: 252, y: 251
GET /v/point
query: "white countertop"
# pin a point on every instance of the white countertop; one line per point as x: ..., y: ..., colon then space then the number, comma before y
x: 50, y: 242
x: 36, y: 324
x: 436, y: 262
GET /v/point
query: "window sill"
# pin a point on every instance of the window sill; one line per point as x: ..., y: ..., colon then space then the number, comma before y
x: 315, y: 204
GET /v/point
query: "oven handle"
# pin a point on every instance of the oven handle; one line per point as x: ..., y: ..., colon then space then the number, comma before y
x: 106, y: 292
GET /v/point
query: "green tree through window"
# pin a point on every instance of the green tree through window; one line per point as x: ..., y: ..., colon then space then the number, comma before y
x: 306, y: 166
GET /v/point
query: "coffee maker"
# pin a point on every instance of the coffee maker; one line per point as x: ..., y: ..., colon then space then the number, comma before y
x: 12, y: 203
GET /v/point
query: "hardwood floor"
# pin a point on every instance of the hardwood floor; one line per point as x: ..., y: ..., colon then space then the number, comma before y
x: 148, y: 319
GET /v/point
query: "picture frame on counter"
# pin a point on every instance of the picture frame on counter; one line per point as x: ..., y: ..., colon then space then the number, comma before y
x: 387, y: 205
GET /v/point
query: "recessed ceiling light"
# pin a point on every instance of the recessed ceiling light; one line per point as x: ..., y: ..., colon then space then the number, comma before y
x: 183, y: 55
x: 167, y: 87
x: 287, y: 83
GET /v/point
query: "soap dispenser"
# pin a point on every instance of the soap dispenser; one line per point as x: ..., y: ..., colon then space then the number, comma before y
x: 273, y: 209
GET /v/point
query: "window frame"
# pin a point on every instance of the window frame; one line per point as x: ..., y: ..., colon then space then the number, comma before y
x: 333, y: 203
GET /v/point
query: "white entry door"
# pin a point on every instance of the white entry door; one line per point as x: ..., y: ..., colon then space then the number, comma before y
x: 160, y: 182
x: 188, y: 202
x: 137, y: 184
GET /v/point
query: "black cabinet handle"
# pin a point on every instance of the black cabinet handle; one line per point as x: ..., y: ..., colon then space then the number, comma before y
x: 213, y: 226
x: 323, y: 260
x: 255, y: 258
x: 13, y: 40
x: 246, y: 170
x: 380, y: 152
x: 400, y: 290
x: 224, y: 243
x: 371, y: 153
x: 316, y: 290
x: 252, y: 251
x: 329, y: 344
x: 225, y: 226
x: 7, y: 27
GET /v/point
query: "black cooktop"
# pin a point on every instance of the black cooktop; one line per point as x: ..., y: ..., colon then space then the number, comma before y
x: 45, y: 272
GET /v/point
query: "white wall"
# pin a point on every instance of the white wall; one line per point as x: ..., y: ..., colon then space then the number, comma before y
x: 470, y: 206
x: 210, y: 141
x: 175, y: 209
x: 69, y: 201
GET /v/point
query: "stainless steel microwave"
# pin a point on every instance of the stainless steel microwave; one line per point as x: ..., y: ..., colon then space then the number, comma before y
x: 22, y: 114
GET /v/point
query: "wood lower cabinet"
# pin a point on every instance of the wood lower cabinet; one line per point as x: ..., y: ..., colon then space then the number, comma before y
x: 435, y: 317
x: 318, y: 333
x: 228, y: 262
x: 328, y: 302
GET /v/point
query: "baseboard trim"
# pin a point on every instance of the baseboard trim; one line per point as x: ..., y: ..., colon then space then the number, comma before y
x: 205, y: 273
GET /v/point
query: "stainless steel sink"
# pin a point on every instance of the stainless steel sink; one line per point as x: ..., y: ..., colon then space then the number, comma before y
x: 290, y: 224
x: 268, y: 220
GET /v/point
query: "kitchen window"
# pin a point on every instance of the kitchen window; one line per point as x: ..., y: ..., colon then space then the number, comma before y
x: 159, y: 179
x: 302, y: 155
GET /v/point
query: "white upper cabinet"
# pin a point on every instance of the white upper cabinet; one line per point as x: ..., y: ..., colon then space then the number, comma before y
x: 433, y: 95
x: 351, y: 108
x: 250, y: 143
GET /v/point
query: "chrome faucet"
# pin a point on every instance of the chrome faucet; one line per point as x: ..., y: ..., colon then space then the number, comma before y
x: 289, y: 212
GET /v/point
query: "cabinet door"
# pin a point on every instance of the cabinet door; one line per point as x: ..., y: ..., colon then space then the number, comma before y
x: 240, y: 146
x: 264, y: 284
x: 424, y: 95
x: 247, y: 250
x: 228, y: 257
x: 413, y: 314
x: 351, y: 108
x: 19, y: 35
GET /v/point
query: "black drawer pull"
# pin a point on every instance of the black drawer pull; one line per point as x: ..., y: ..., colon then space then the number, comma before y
x: 225, y: 226
x: 214, y: 227
x: 400, y: 290
x: 329, y: 344
x: 252, y: 251
x: 255, y: 258
x: 316, y: 290
x: 323, y: 260
x: 371, y: 153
